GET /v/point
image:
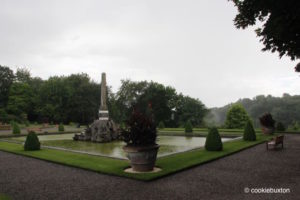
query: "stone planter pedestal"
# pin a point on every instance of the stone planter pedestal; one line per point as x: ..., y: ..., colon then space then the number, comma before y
x: 142, y: 158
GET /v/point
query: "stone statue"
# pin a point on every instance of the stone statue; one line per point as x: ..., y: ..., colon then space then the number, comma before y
x: 102, y: 129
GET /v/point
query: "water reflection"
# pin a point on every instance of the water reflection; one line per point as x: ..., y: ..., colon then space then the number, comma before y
x: 168, y: 144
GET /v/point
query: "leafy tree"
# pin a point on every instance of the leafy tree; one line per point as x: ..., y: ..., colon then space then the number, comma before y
x: 3, y: 116
x: 84, y: 98
x: 237, y: 117
x: 285, y: 109
x: 6, y: 79
x: 20, y: 99
x: 23, y: 75
x: 190, y: 109
x: 280, y: 24
x: 213, y: 140
x: 249, y: 132
x: 55, y: 92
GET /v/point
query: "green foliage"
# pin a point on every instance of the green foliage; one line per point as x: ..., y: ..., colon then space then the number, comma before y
x: 76, y: 98
x: 16, y: 128
x: 296, y: 126
x: 213, y: 140
x: 6, y: 79
x: 23, y: 75
x: 163, y: 100
x: 237, y: 117
x: 141, y: 130
x: 27, y: 123
x: 279, y: 21
x: 61, y: 127
x: 285, y: 109
x: 32, y: 142
x: 188, y: 127
x: 20, y: 99
x: 161, y: 125
x: 3, y: 116
x: 249, y: 132
x: 280, y: 126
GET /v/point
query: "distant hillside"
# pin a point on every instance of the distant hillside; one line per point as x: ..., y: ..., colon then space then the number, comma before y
x: 285, y: 109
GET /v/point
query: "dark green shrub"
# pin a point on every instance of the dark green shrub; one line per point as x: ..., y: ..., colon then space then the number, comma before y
x: 3, y: 116
x: 188, y: 127
x: 161, y: 125
x: 61, y: 127
x: 280, y: 126
x: 27, y: 123
x: 213, y: 140
x: 296, y: 126
x: 249, y: 132
x: 16, y: 128
x: 32, y: 142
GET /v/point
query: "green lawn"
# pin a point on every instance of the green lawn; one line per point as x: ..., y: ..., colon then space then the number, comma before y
x: 169, y: 164
x: 202, y: 132
x: 4, y: 197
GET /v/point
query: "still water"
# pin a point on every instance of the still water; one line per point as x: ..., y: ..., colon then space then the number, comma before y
x: 168, y: 145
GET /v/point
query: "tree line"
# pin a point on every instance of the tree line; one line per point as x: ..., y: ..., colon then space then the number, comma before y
x: 76, y: 98
x: 285, y: 109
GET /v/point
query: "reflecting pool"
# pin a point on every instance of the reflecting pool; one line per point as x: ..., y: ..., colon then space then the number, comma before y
x: 168, y: 145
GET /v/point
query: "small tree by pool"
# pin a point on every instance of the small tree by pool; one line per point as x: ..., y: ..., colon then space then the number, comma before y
x: 32, y: 142
x: 213, y: 140
x: 249, y: 133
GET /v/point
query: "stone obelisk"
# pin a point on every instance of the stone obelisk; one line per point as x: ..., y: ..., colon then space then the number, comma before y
x: 103, y: 111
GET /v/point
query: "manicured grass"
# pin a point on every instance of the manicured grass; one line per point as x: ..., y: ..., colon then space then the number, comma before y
x: 169, y: 164
x: 206, y: 129
x: 4, y: 197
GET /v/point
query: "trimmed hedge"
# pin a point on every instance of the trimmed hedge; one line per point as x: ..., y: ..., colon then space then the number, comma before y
x: 16, y: 128
x: 188, y: 127
x: 213, y: 140
x: 61, y: 127
x: 249, y: 132
x: 161, y: 125
x: 32, y: 142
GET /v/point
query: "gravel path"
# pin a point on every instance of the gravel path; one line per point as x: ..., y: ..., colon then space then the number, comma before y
x: 27, y: 178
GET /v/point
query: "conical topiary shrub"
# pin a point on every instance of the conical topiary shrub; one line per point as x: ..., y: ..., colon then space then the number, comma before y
x: 213, y: 140
x: 188, y: 127
x: 32, y: 142
x: 16, y: 128
x: 249, y: 132
x: 161, y: 125
x: 61, y: 127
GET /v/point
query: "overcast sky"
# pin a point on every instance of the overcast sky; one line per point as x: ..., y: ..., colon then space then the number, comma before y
x: 191, y: 45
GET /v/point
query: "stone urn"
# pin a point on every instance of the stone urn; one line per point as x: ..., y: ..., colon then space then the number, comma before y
x: 267, y: 130
x: 142, y: 158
